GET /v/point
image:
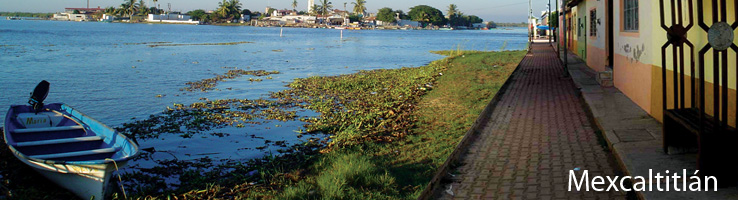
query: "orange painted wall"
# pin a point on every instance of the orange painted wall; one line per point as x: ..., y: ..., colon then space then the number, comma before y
x: 596, y: 58
x: 634, y: 79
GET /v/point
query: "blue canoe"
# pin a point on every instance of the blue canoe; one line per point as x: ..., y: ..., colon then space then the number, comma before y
x: 75, y: 151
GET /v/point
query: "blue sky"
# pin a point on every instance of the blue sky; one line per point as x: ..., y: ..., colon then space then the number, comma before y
x: 495, y: 10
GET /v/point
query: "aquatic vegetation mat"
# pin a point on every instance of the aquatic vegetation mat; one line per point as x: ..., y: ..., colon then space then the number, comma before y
x: 198, y: 44
x: 389, y: 130
x: 210, y: 83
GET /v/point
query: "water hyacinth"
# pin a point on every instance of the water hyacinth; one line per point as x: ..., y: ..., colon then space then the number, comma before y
x: 210, y: 83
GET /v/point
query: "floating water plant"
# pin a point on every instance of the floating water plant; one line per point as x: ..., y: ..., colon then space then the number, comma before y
x: 198, y: 44
x: 210, y: 83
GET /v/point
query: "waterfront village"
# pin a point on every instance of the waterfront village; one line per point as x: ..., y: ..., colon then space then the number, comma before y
x: 322, y: 15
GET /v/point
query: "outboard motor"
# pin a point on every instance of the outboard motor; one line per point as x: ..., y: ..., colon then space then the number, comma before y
x: 39, y: 95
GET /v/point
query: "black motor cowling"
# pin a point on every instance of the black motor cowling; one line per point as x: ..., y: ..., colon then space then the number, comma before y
x: 39, y: 95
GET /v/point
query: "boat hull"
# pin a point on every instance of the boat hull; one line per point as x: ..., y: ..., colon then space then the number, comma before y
x: 85, y: 181
x: 86, y: 167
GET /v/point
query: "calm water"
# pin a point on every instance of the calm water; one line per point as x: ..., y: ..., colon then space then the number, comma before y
x: 94, y: 68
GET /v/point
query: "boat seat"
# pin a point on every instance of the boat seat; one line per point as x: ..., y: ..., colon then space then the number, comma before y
x: 48, y: 129
x: 60, y: 141
x: 75, y: 153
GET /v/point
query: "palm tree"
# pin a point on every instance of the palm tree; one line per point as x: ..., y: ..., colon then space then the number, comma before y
x: 315, y: 10
x: 235, y: 9
x: 325, y: 7
x: 157, y: 6
x: 452, y: 10
x: 110, y: 10
x: 132, y: 7
x: 344, y: 9
x: 294, y: 5
x: 224, y: 9
x: 359, y: 7
x: 142, y: 7
x: 235, y: 6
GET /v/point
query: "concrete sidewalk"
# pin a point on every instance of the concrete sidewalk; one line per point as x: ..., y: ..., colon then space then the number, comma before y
x: 634, y: 136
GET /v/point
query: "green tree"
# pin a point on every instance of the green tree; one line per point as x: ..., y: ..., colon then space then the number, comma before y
x: 224, y: 9
x: 315, y: 10
x: 354, y: 18
x: 452, y: 10
x: 294, y: 5
x: 228, y: 10
x: 553, y: 20
x: 473, y: 19
x: 401, y: 14
x: 457, y: 19
x: 236, y: 8
x: 246, y: 12
x: 154, y: 10
x: 141, y: 6
x: 197, y: 14
x: 359, y: 7
x: 75, y: 12
x: 325, y: 7
x: 427, y: 15
x: 132, y: 8
x: 110, y: 10
x: 386, y: 15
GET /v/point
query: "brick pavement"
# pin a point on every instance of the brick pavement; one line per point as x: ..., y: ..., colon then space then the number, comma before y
x: 536, y: 134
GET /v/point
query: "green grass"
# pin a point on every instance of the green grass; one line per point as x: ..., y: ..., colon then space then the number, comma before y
x: 401, y: 169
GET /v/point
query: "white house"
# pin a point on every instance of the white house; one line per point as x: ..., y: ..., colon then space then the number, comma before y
x: 107, y: 18
x: 71, y: 17
x: 171, y: 18
x: 84, y: 14
x: 298, y: 19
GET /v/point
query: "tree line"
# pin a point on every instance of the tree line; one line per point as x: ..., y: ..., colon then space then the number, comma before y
x: 231, y: 10
x: 428, y: 15
x: 27, y: 14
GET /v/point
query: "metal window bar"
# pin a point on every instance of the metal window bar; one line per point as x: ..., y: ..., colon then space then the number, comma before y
x: 715, y: 135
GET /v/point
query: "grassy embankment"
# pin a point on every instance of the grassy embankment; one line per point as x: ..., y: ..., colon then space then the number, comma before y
x: 400, y: 169
x: 391, y: 130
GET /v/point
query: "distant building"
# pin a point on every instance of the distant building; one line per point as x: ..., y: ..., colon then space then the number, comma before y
x: 83, y: 14
x: 107, y: 18
x: 84, y: 10
x: 311, y: 3
x: 298, y: 19
x: 171, y: 18
x: 278, y: 13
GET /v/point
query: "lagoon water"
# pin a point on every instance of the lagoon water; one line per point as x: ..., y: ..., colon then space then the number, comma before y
x: 104, y: 70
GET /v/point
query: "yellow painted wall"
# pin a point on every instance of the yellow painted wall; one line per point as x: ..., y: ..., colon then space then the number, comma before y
x: 638, y: 59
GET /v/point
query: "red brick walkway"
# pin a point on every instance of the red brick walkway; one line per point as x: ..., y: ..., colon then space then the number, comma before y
x: 537, y: 133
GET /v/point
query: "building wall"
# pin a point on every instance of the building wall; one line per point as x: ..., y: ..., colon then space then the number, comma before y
x: 596, y: 45
x: 638, y: 58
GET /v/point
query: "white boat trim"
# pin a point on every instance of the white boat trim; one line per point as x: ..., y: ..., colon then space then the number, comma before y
x: 60, y: 141
x: 76, y: 153
x: 48, y: 129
